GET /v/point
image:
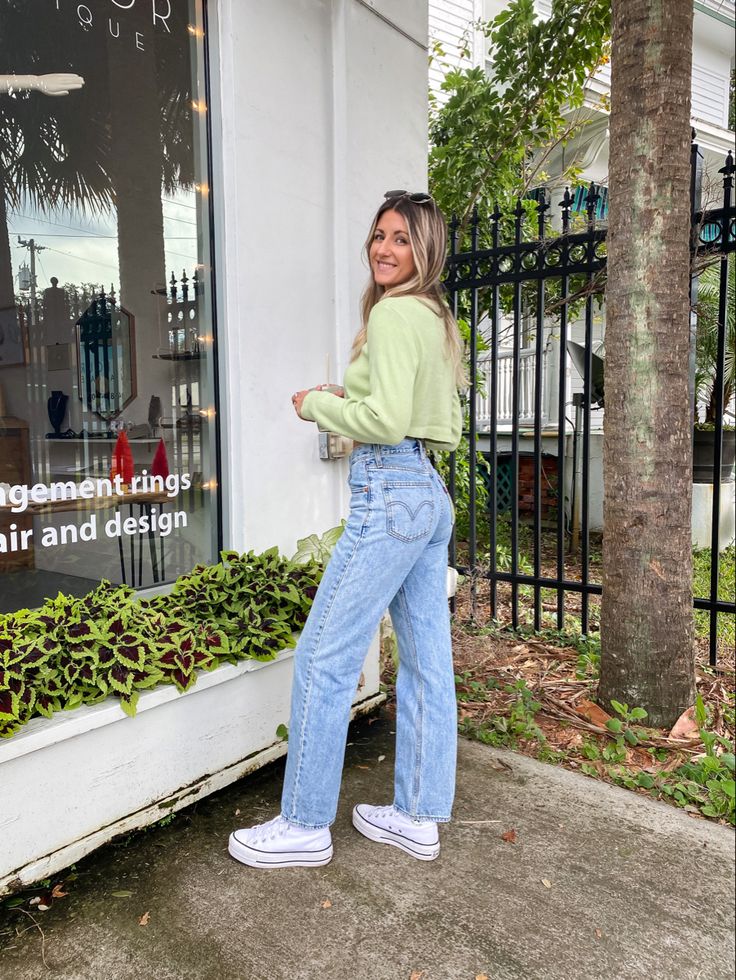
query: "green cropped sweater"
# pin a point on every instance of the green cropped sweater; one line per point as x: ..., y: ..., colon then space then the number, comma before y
x: 400, y: 385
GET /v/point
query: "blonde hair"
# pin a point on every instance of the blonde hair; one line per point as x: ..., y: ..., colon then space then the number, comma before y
x: 427, y: 234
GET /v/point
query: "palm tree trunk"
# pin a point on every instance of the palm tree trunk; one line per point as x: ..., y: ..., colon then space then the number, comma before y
x: 7, y: 286
x: 647, y: 656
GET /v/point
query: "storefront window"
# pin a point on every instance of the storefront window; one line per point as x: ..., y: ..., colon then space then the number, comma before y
x: 107, y: 378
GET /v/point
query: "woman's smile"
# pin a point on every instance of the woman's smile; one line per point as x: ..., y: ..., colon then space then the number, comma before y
x: 391, y: 255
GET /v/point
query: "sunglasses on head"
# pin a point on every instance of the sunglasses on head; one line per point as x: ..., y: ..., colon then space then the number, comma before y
x: 418, y: 198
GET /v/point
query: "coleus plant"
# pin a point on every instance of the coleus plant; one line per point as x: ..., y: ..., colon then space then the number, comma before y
x: 75, y: 651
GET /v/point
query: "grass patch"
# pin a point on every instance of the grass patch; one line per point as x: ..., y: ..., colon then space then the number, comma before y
x: 726, y: 628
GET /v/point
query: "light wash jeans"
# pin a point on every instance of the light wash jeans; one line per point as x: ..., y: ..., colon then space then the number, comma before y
x: 392, y: 554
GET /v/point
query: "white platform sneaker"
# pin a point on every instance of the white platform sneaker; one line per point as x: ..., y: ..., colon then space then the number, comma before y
x: 387, y: 825
x: 280, y: 844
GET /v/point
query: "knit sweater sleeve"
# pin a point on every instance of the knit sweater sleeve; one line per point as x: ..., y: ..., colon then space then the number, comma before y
x: 384, y: 414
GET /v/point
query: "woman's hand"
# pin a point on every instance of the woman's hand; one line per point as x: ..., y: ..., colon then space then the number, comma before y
x: 297, y: 399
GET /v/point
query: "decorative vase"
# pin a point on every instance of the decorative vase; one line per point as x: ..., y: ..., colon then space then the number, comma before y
x: 122, y: 460
x: 56, y: 406
x: 154, y: 414
x: 160, y: 464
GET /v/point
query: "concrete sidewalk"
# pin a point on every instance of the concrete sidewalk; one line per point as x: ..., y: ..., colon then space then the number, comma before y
x: 601, y: 883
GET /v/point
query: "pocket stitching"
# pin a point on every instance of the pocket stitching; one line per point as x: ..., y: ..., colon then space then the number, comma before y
x: 390, y: 504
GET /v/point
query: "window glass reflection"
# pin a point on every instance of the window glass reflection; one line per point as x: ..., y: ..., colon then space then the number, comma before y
x: 107, y: 400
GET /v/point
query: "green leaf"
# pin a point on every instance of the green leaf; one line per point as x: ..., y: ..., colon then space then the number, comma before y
x: 128, y: 704
x: 614, y: 725
x: 700, y: 713
x: 282, y: 732
x: 636, y: 714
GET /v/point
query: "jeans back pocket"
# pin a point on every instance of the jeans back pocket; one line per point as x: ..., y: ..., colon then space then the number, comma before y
x: 409, y: 508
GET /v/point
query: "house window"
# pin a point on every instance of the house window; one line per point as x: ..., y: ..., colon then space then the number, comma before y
x: 580, y: 201
x: 107, y: 381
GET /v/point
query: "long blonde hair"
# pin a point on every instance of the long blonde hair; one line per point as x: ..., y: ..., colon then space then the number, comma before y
x: 428, y: 240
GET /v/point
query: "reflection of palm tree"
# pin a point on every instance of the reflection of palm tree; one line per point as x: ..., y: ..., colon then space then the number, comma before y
x: 47, y: 157
x: 79, y: 150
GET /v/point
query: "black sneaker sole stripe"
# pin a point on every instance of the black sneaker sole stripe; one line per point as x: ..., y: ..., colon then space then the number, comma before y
x: 259, y: 850
x: 405, y: 847
x: 282, y: 863
x: 421, y: 843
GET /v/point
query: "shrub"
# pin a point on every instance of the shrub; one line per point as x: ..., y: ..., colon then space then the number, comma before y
x: 75, y: 651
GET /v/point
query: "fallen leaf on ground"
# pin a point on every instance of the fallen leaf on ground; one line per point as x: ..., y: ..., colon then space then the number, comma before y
x: 122, y: 894
x: 598, y: 934
x: 144, y: 919
x: 546, y: 882
x: 570, y: 739
x: 327, y: 904
x: 237, y: 813
x: 481, y: 976
x: 381, y: 758
x: 362, y: 767
x: 35, y: 901
x: 43, y: 908
x: 58, y: 891
x: 509, y: 836
x: 416, y: 975
x: 592, y: 712
x: 686, y: 725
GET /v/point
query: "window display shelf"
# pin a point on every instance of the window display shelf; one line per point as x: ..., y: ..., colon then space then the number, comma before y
x: 178, y: 356
x: 101, y: 440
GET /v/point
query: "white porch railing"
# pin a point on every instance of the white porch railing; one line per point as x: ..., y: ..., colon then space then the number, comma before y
x: 504, y: 400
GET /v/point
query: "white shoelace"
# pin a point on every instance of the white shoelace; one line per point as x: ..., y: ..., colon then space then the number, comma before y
x: 269, y: 830
x: 391, y: 811
x: 378, y: 811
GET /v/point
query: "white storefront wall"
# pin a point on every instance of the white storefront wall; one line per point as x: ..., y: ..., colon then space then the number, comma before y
x: 322, y: 108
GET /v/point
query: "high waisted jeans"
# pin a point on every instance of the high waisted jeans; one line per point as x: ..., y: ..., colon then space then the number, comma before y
x: 392, y: 554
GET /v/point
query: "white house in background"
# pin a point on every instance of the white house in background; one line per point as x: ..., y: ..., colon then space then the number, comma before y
x: 288, y: 151
x: 451, y: 25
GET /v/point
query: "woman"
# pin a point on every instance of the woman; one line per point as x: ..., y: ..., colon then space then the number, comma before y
x: 399, y: 399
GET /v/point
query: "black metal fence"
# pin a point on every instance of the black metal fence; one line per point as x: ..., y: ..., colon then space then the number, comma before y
x: 530, y: 287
